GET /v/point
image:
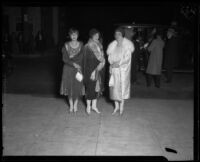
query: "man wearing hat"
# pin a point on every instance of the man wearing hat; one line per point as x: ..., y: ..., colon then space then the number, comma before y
x: 130, y: 33
x: 170, y: 53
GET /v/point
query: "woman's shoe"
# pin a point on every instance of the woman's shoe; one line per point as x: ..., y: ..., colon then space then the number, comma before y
x: 121, y: 111
x: 114, y: 112
x: 75, y: 109
x: 71, y: 109
x: 88, y: 110
x: 96, y: 110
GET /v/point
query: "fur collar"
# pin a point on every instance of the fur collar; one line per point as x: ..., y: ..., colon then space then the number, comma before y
x: 126, y: 45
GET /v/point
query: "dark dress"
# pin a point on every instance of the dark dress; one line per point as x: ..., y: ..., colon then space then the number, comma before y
x: 171, y: 53
x: 70, y: 85
x: 170, y: 56
x: 90, y: 64
x: 135, y: 61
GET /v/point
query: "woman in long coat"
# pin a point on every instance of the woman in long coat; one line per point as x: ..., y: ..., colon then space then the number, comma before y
x: 154, y: 67
x: 72, y: 57
x: 119, y: 56
x: 93, y: 64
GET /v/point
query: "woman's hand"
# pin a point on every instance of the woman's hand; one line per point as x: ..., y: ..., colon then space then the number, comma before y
x: 146, y: 45
x: 115, y: 65
x: 102, y: 59
x: 77, y: 66
x: 92, y: 77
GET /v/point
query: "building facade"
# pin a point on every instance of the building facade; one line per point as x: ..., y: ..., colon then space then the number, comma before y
x: 31, y: 20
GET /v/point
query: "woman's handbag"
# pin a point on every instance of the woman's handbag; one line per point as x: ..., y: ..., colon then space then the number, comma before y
x: 79, y: 76
x: 111, y: 81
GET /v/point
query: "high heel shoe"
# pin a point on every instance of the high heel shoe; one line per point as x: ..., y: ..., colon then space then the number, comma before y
x: 114, y: 112
x: 71, y: 109
x: 121, y: 111
x: 96, y: 110
x: 75, y: 109
x: 88, y: 110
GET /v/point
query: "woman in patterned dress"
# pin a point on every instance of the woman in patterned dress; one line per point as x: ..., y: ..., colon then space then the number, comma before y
x: 72, y: 52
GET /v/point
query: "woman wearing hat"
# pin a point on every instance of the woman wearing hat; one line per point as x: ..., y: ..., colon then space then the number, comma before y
x: 93, y: 64
x: 72, y: 86
x: 119, y: 56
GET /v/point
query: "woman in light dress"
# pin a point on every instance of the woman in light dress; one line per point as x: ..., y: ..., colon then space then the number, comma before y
x: 119, y: 56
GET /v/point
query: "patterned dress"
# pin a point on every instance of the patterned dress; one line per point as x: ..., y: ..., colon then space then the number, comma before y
x: 70, y: 86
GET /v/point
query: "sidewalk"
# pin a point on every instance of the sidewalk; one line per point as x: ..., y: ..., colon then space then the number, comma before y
x: 42, y: 126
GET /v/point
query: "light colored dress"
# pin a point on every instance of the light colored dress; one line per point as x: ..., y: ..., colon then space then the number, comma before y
x: 120, y: 89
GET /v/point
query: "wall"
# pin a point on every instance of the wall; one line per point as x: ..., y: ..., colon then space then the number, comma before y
x: 34, y: 17
x: 14, y: 15
x: 55, y: 24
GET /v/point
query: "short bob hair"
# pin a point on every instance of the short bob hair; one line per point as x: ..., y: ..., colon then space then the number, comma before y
x: 121, y: 30
x: 93, y: 32
x: 73, y: 30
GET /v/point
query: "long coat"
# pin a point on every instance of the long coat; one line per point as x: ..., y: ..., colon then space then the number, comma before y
x: 121, y: 88
x: 93, y: 88
x: 135, y: 61
x: 70, y: 86
x: 154, y: 66
x: 171, y: 52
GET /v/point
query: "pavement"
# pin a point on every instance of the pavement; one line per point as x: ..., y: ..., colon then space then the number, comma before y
x: 37, y: 122
x: 43, y: 126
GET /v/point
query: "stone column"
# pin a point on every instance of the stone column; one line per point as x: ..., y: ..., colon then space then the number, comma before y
x: 55, y: 25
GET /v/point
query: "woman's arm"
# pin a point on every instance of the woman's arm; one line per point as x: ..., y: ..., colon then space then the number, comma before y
x: 78, y: 60
x: 101, y: 64
x: 109, y: 51
x: 81, y: 57
x: 151, y: 46
x: 109, y: 58
x: 90, y: 61
x: 126, y: 58
x: 66, y: 58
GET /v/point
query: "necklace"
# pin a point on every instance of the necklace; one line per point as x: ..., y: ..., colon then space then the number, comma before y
x: 74, y: 49
x: 74, y: 44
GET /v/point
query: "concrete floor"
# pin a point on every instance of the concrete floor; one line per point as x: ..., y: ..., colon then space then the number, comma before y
x: 35, y: 125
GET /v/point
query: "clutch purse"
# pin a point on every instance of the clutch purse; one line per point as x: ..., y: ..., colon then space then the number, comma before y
x: 111, y: 81
x: 79, y: 76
